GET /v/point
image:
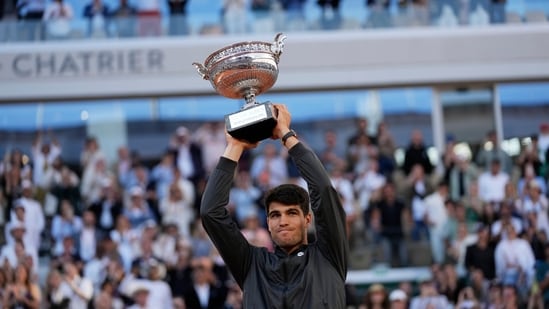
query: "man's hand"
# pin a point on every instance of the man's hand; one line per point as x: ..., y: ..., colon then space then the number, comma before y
x: 236, y: 147
x: 283, y: 120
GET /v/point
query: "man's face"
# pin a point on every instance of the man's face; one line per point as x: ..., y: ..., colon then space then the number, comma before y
x: 288, y: 225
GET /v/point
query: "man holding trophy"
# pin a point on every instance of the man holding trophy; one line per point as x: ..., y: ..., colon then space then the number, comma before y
x: 298, y: 274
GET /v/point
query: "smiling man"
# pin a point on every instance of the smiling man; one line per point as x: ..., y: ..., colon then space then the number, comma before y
x: 298, y: 274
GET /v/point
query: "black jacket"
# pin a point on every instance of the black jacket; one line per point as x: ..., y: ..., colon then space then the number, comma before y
x: 311, y: 277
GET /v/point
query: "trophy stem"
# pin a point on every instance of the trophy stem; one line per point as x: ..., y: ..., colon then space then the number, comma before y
x: 250, y: 100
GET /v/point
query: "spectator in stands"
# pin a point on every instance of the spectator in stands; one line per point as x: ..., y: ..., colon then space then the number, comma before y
x: 344, y: 188
x: 491, y: 150
x: 124, y: 16
x: 34, y: 214
x: 428, y: 297
x: 261, y: 6
x: 387, y: 146
x: 448, y: 282
x: 24, y: 292
x: 43, y: 156
x: 392, y: 214
x: 89, y: 237
x: 530, y: 177
x: 90, y: 152
x: 145, y: 258
x: 461, y: 174
x: 66, y: 186
x: 97, y: 14
x: 330, y: 17
x: 160, y: 295
x: 235, y: 16
x: 367, y: 186
x: 256, y: 234
x: 58, y: 293
x: 107, y: 208
x: 188, y: 156
x: 138, y: 210
x: 58, y: 16
x: 179, y: 274
x: 536, y: 208
x: 244, y: 197
x: 398, y: 299
x: 13, y: 171
x: 177, y: 208
x: 417, y: 187
x: 529, y: 158
x: 506, y: 218
x: 360, y: 154
x: 295, y: 13
x: 65, y: 224
x: 542, y: 277
x: 330, y: 155
x: 361, y: 128
x: 457, y: 248
x: 416, y: 153
x: 207, y: 290
x: 162, y: 175
x: 178, y: 17
x: 125, y: 237
x: 211, y: 136
x: 378, y: 14
x: 269, y: 168
x: 17, y: 251
x: 140, y: 295
x: 201, y: 243
x: 467, y: 299
x: 31, y: 12
x: 492, y: 183
x: 497, y: 11
x: 82, y: 288
x: 376, y: 297
x: 437, y: 217
x: 514, y: 260
x: 479, y: 284
x: 149, y: 20
x: 543, y: 144
x: 92, y: 181
x: 31, y: 236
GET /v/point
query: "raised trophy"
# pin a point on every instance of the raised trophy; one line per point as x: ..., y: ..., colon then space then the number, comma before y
x: 244, y: 70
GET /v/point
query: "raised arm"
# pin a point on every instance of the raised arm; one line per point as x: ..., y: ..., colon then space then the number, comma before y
x: 217, y: 222
x: 325, y: 201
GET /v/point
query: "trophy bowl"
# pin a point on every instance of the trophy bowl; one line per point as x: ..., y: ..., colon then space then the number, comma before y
x: 244, y: 70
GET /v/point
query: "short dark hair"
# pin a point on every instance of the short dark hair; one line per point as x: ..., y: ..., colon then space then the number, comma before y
x: 288, y: 194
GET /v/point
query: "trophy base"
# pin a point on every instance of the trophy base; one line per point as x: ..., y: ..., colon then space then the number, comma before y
x: 252, y: 124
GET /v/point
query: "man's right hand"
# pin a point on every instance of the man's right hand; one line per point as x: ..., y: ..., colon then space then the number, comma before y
x: 236, y: 147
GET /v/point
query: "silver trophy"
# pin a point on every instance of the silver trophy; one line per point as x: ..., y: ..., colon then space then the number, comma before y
x: 244, y: 70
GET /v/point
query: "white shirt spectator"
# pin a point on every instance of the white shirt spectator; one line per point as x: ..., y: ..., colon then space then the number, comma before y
x: 514, y: 253
x: 492, y: 187
x: 34, y: 216
x: 42, y: 162
x: 85, y: 289
x: 366, y: 184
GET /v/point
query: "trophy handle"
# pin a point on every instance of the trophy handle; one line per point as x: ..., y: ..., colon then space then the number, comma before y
x: 201, y: 70
x: 278, y: 46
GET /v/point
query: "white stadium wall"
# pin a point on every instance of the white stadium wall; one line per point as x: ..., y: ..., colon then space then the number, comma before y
x: 70, y: 70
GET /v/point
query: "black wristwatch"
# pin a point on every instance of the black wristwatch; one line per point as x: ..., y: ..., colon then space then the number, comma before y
x: 287, y: 136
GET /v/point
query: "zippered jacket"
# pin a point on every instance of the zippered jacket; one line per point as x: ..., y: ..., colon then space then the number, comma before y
x: 311, y: 277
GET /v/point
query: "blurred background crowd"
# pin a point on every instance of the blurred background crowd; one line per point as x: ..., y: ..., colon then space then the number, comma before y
x: 24, y: 20
x: 113, y: 236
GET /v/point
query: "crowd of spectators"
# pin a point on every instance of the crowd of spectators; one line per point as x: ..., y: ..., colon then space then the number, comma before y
x: 123, y: 233
x: 54, y: 19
